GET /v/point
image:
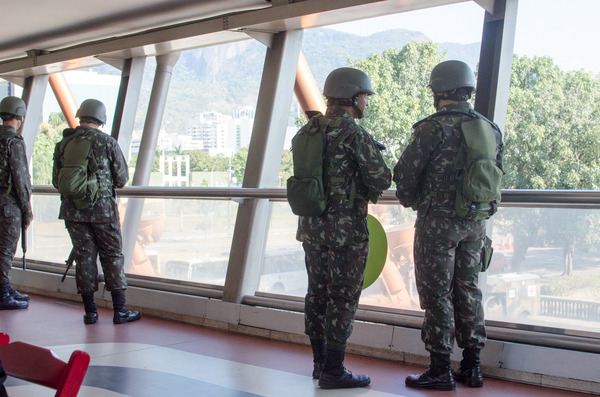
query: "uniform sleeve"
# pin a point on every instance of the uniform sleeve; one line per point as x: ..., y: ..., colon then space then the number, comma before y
x: 21, y: 180
x: 118, y: 165
x: 411, y: 165
x: 374, y: 173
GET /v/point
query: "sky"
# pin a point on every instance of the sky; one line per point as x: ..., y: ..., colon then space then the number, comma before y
x: 565, y: 30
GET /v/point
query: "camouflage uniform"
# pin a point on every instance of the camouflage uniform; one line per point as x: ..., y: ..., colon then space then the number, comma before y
x: 96, y: 230
x: 15, y: 196
x: 336, y: 244
x: 447, y: 248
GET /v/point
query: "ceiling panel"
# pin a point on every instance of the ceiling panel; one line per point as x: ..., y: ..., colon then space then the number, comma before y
x: 61, y: 31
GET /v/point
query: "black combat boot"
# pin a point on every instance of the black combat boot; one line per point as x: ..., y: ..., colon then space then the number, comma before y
x: 8, y: 302
x: 335, y: 376
x: 437, y: 377
x: 319, y: 349
x: 470, y: 368
x: 17, y: 295
x: 122, y: 314
x: 91, y: 310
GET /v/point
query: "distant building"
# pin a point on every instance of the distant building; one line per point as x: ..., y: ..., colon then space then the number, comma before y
x: 217, y: 133
x: 164, y: 144
x: 210, y: 129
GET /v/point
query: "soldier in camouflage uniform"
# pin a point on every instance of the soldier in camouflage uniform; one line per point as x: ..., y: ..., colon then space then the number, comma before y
x: 336, y: 243
x: 15, y: 196
x: 96, y: 231
x: 447, y: 248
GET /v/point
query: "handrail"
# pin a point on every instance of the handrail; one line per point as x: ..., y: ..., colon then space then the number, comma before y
x: 530, y: 334
x: 510, y: 197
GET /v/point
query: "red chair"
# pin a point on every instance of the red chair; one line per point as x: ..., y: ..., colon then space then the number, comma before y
x: 39, y: 365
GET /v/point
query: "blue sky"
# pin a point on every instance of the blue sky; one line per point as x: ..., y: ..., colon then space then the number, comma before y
x: 565, y: 30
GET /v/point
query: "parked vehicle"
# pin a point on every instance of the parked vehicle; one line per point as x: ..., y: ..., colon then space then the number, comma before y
x: 281, y: 271
x: 512, y: 295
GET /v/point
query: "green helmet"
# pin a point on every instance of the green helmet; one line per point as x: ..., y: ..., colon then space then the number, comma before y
x: 450, y: 75
x: 13, y: 105
x: 346, y: 83
x: 92, y: 108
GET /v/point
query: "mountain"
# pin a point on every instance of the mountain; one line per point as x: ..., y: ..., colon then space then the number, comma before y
x: 222, y: 77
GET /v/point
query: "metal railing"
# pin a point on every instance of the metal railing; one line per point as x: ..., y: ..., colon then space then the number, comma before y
x: 507, y: 331
x: 510, y: 197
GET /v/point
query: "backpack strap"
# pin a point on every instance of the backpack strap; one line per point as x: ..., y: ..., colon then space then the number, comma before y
x: 336, y: 142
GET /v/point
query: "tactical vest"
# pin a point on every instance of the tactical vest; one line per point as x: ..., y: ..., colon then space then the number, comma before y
x: 445, y: 170
x: 440, y: 173
x: 341, y: 174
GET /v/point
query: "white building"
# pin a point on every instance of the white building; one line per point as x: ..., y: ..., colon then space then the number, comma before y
x: 217, y: 133
x: 165, y: 142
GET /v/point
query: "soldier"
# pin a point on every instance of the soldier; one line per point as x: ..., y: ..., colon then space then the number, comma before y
x: 15, y: 195
x: 96, y: 230
x: 447, y: 248
x: 336, y: 243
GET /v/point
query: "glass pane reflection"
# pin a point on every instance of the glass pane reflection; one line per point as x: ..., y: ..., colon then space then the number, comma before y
x: 177, y: 239
x: 545, y: 270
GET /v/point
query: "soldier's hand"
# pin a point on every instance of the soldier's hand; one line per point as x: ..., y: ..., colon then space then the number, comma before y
x: 374, y: 196
x: 27, y: 218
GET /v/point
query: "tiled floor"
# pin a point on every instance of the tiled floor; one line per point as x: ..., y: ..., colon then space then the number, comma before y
x: 155, y: 357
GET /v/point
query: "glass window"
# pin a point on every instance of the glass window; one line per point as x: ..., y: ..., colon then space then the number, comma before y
x: 100, y: 83
x: 544, y: 270
x: 208, y: 118
x: 552, y: 126
x: 186, y: 240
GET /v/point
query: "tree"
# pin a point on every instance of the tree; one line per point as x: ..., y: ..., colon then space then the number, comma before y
x: 286, y: 169
x: 551, y: 142
x: 399, y: 79
x: 238, y: 166
x: 200, y: 160
x: 43, y: 148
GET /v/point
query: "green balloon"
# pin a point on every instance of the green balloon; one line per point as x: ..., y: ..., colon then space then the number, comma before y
x: 378, y: 248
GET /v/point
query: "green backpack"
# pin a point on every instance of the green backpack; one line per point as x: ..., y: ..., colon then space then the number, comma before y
x: 479, y: 183
x: 77, y: 180
x: 306, y: 192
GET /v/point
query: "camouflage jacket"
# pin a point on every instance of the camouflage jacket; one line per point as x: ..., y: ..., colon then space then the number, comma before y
x: 425, y: 174
x: 112, y: 173
x: 14, y: 170
x: 356, y: 158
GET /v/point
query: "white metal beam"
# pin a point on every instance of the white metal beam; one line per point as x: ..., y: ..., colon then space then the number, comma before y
x: 264, y: 159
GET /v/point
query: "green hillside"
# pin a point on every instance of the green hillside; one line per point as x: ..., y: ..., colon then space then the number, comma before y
x: 223, y: 77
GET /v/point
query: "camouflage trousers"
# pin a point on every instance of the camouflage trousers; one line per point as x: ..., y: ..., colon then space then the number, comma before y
x: 335, y: 278
x: 447, y: 265
x: 91, y: 240
x: 10, y: 231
